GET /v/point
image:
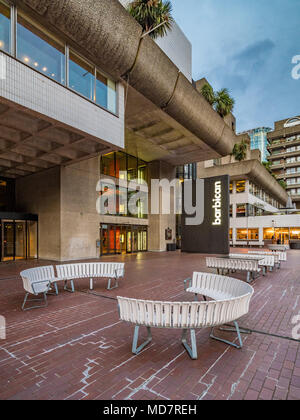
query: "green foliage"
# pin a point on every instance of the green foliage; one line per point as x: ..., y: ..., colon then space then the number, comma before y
x: 240, y: 151
x: 150, y: 14
x: 281, y: 182
x: 224, y: 102
x: 208, y: 93
x: 221, y: 101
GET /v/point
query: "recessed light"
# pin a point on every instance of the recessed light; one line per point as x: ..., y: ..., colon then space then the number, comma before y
x: 44, y: 69
x: 26, y: 59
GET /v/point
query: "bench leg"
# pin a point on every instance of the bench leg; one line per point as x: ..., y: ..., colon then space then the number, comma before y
x: 192, y: 350
x: 135, y: 348
x: 237, y: 329
x: 34, y: 300
x: 248, y: 277
x: 110, y: 287
x: 72, y: 290
x: 91, y: 284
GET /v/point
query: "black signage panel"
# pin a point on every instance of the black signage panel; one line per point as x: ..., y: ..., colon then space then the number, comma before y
x: 211, y: 236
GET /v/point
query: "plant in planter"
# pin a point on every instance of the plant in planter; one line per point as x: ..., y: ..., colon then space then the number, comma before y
x: 152, y: 15
x: 239, y: 151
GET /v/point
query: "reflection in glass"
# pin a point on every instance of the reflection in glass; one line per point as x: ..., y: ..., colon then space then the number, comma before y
x: 20, y: 252
x: 32, y: 236
x: 37, y: 48
x: 106, y: 93
x: 8, y: 241
x: 4, y: 27
x: 81, y: 76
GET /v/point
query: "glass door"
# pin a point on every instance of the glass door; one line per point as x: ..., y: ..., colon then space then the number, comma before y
x: 8, y: 241
x: 20, y: 242
x: 108, y: 240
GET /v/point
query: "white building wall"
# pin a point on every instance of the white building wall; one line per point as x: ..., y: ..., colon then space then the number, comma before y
x: 33, y: 90
x: 177, y: 47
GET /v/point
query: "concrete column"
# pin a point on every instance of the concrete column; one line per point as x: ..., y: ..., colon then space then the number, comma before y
x: 159, y: 223
x: 40, y: 194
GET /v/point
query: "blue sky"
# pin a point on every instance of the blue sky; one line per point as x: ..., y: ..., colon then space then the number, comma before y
x: 246, y: 46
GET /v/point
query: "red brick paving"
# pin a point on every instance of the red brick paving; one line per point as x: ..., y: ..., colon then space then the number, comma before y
x: 78, y: 349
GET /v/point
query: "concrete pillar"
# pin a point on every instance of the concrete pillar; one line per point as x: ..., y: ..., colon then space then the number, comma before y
x: 159, y: 223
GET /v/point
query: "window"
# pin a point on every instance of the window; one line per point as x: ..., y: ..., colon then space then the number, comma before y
x: 241, y: 210
x: 37, y: 48
x: 231, y: 211
x: 295, y: 233
x: 231, y: 187
x: 269, y: 233
x: 108, y: 165
x: 121, y: 165
x: 142, y: 170
x: 81, y: 76
x: 240, y: 186
x: 241, y: 234
x: 230, y: 234
x: 253, y: 234
x: 132, y: 171
x: 106, y: 93
x: 5, y: 27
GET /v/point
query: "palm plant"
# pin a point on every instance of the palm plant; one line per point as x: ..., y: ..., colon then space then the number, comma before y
x: 240, y: 150
x: 208, y: 93
x: 224, y: 102
x: 221, y: 101
x: 152, y: 13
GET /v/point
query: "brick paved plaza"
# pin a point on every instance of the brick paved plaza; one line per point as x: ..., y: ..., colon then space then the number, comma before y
x: 78, y: 349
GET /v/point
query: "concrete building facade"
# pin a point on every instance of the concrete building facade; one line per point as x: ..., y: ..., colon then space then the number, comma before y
x: 75, y: 92
x: 284, y: 156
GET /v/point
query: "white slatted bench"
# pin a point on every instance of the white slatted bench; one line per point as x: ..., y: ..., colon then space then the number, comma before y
x: 38, y: 281
x: 236, y: 264
x: 232, y: 299
x: 267, y: 261
x: 111, y: 271
x: 280, y: 248
x: 276, y: 256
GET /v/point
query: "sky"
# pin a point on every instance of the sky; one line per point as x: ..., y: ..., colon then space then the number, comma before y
x: 246, y: 46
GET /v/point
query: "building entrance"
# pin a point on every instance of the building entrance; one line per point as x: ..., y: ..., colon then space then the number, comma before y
x: 123, y: 239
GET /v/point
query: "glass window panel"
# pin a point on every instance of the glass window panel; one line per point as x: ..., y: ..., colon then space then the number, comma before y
x: 253, y: 234
x: 108, y: 165
x: 32, y: 240
x: 241, y: 210
x: 106, y: 93
x: 121, y: 165
x: 142, y: 171
x: 240, y: 186
x: 295, y: 233
x: 241, y: 234
x: 81, y: 76
x: 4, y: 27
x: 8, y: 241
x: 39, y: 49
x: 20, y: 240
x: 132, y: 173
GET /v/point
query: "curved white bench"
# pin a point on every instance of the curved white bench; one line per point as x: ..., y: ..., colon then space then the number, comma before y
x: 232, y: 302
x: 70, y: 272
x: 37, y: 281
x: 237, y: 264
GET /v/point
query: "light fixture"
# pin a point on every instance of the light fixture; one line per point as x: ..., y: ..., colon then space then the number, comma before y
x: 36, y: 64
x: 44, y: 69
x: 1, y: 44
x: 26, y: 59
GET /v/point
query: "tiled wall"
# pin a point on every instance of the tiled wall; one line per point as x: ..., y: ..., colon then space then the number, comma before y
x: 36, y: 92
